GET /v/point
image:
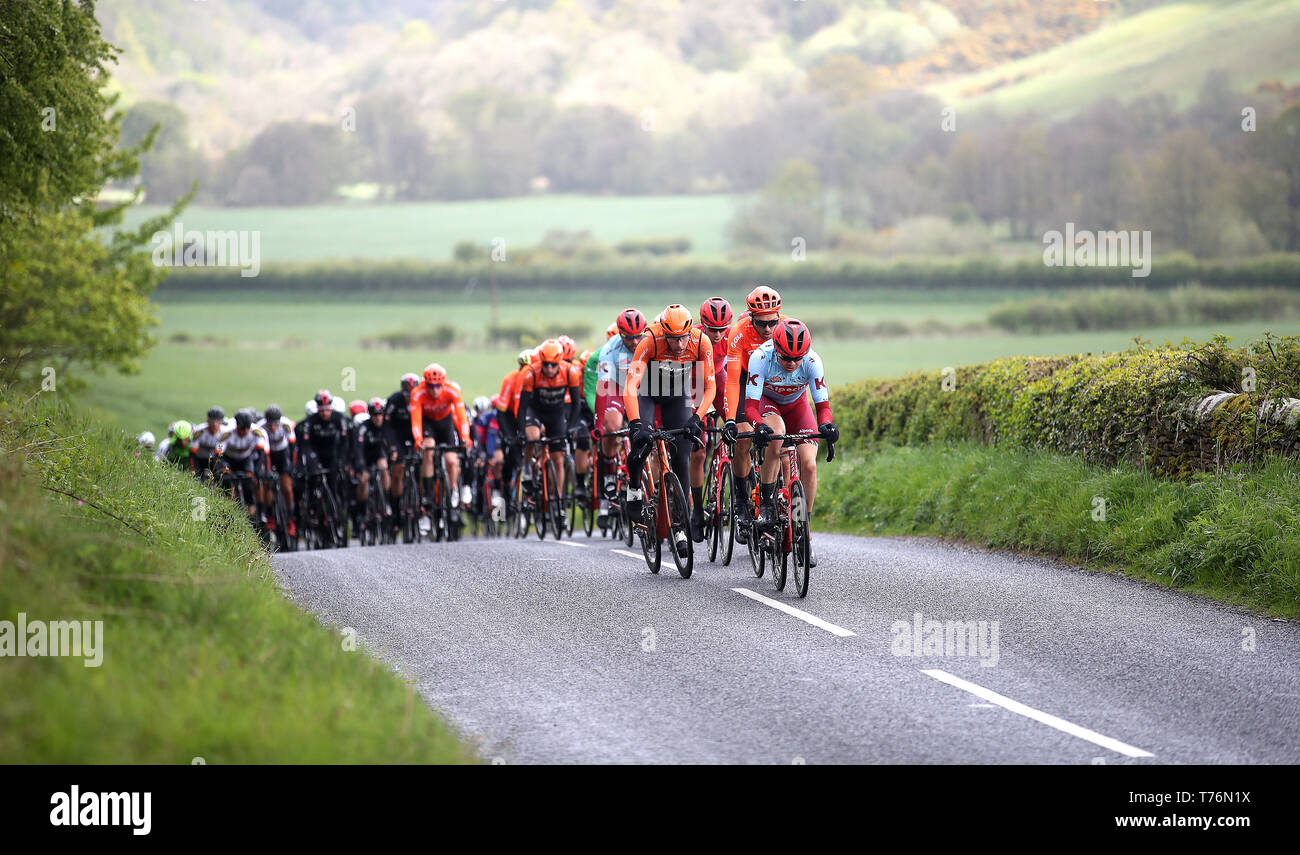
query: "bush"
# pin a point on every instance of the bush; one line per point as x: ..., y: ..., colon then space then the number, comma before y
x: 1128, y: 308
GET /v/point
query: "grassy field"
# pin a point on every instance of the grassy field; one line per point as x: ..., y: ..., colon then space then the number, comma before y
x: 429, y: 230
x: 264, y: 350
x: 1167, y: 49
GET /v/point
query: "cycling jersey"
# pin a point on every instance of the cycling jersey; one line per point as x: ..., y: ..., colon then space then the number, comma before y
x: 612, y: 363
x: 426, y: 406
x: 397, y: 417
x: 538, y: 392
x: 279, y: 435
x: 487, y: 432
x: 590, y: 371
x: 741, y: 345
x: 203, y: 445
x: 670, y: 375
x: 373, y: 444
x: 768, y: 380
x: 328, y: 438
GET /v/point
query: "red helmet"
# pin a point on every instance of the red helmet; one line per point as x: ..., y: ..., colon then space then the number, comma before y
x: 570, y: 347
x: 791, y: 339
x: 435, y: 374
x: 715, y: 312
x: 763, y: 299
x: 324, y: 398
x: 357, y: 407
x: 409, y: 381
x: 376, y: 406
x: 676, y: 319
x: 631, y: 322
x: 550, y: 351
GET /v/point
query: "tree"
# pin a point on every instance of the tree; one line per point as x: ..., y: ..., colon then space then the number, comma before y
x: 788, y: 207
x: 294, y: 163
x: 1278, y: 146
x: 1183, y: 192
x: 171, y: 167
x: 67, y: 298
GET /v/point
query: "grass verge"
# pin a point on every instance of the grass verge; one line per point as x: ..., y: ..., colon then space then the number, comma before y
x: 1232, y: 536
x: 201, y: 655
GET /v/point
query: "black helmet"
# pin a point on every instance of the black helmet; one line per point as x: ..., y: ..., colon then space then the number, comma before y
x: 216, y: 413
x: 324, y: 398
x: 243, y: 419
x: 273, y: 413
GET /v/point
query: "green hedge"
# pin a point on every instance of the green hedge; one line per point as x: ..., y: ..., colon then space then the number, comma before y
x: 379, y: 278
x: 1134, y: 406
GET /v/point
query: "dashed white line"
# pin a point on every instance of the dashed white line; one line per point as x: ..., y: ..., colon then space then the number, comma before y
x: 1037, y: 715
x: 628, y: 554
x: 570, y: 543
x: 793, y: 612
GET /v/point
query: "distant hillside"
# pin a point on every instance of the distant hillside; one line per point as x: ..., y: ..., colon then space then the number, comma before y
x: 237, y: 66
x: 1166, y: 49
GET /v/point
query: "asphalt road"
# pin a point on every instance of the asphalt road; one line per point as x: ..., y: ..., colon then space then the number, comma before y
x: 552, y: 653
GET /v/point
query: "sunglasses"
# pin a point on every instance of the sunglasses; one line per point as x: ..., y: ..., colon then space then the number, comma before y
x: 677, y: 339
x: 766, y: 325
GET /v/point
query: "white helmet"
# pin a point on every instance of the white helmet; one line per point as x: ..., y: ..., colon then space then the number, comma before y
x: 171, y: 429
x: 481, y: 403
x: 146, y: 440
x: 311, y: 408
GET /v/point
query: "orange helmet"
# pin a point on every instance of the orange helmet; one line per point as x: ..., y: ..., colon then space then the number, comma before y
x: 612, y: 330
x: 570, y: 346
x: 435, y: 374
x: 551, y: 351
x: 763, y: 299
x: 676, y: 319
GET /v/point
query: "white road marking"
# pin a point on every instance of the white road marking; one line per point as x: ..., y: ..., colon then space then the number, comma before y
x: 546, y: 559
x: 628, y: 554
x: 1037, y: 715
x: 570, y: 543
x: 793, y: 612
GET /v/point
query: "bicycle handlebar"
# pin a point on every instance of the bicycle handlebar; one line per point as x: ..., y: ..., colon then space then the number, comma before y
x: 792, y: 438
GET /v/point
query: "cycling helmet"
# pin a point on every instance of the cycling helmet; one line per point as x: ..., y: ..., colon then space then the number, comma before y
x: 311, y: 408
x: 357, y: 407
x: 631, y: 322
x: 585, y: 355
x: 570, y: 347
x: 171, y: 429
x: 791, y: 339
x: 715, y: 312
x: 551, y: 351
x: 146, y: 440
x: 377, y: 405
x: 182, y: 431
x: 324, y: 399
x: 273, y: 414
x: 243, y: 420
x: 676, y: 319
x: 435, y: 374
x: 763, y: 299
x: 481, y: 403
x: 409, y: 381
x: 217, y: 413
x: 611, y: 330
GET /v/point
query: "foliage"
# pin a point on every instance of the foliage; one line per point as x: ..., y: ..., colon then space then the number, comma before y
x: 1129, y: 308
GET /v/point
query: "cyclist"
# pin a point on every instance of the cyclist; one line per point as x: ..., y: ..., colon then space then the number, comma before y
x: 508, y: 422
x: 397, y: 415
x: 764, y: 313
x: 549, y: 399
x: 145, y: 444
x: 283, y: 444
x: 203, y: 445
x: 326, y: 440
x: 582, y: 423
x: 612, y: 362
x: 487, y: 439
x: 782, y: 371
x: 374, y: 447
x: 715, y: 322
x: 177, y: 452
x: 678, y: 364
x: 244, y: 448
x: 611, y: 331
x: 438, y: 401
x: 359, y: 411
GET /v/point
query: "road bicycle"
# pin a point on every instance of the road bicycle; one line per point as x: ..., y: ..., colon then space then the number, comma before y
x: 323, y: 525
x: 719, y: 521
x: 374, y: 528
x: 784, y: 545
x: 541, y: 497
x: 240, y: 486
x: 619, y: 526
x: 409, y: 511
x: 581, y: 512
x: 443, y: 526
x: 665, y: 512
x: 280, y: 518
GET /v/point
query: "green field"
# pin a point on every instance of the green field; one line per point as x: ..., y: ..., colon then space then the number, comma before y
x: 429, y: 230
x: 265, y: 350
x: 1164, y: 50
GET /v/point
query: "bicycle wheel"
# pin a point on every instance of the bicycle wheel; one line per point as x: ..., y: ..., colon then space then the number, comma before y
x: 679, y: 526
x: 568, y: 504
x: 329, y: 518
x: 755, y: 553
x: 651, y: 545
x: 624, y: 520
x: 555, y: 501
x: 711, y: 515
x: 799, y: 540
x: 725, y: 523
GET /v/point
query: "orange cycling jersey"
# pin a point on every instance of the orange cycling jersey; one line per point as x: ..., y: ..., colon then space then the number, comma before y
x: 672, y: 369
x: 741, y: 344
x: 510, y: 391
x: 550, y: 391
x: 447, y: 402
